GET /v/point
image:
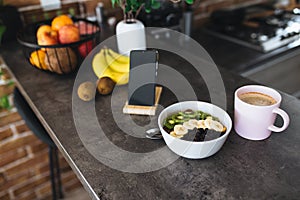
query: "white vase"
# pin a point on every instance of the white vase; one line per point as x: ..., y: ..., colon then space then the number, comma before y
x: 130, y: 36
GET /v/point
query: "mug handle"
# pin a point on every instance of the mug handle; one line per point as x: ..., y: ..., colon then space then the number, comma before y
x: 286, y: 120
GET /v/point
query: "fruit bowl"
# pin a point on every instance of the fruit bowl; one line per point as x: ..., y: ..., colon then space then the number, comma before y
x: 191, y: 149
x: 59, y: 58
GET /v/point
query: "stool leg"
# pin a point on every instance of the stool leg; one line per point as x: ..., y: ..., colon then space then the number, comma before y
x: 60, y: 193
x: 52, y: 172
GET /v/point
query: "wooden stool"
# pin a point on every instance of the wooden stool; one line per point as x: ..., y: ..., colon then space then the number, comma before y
x: 36, y: 127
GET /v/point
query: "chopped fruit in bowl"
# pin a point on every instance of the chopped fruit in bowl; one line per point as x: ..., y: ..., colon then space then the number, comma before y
x: 194, y: 129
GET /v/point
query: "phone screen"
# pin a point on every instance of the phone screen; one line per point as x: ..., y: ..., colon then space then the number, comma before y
x: 142, y: 77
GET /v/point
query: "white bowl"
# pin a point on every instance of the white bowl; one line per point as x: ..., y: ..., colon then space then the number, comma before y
x: 190, y: 149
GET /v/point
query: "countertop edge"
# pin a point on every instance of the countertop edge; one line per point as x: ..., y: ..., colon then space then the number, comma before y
x: 51, y: 133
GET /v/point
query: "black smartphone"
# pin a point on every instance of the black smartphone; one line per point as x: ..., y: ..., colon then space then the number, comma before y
x: 142, y: 77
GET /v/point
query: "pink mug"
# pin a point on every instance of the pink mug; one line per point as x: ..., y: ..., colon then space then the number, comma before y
x: 255, y: 122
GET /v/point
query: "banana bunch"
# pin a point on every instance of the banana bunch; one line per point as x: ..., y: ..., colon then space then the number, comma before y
x: 108, y: 63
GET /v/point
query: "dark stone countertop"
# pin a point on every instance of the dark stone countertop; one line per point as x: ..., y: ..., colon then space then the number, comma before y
x: 237, y: 58
x: 242, y: 169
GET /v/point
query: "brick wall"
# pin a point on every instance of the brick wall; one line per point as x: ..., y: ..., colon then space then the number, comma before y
x: 202, y: 8
x: 31, y: 11
x: 24, y: 164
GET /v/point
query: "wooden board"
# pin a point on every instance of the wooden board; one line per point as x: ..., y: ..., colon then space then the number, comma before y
x: 143, y: 110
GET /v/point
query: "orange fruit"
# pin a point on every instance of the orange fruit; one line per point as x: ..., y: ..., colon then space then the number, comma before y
x: 60, y: 21
x: 37, y: 58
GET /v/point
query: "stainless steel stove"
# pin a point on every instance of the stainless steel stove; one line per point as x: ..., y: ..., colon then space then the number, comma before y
x: 265, y: 31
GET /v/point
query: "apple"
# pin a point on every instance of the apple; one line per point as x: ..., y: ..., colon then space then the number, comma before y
x: 47, y: 38
x: 86, y: 28
x: 85, y: 48
x: 42, y: 29
x: 68, y: 34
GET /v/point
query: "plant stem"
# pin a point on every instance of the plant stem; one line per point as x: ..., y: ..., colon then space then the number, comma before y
x: 122, y: 4
x: 138, y: 10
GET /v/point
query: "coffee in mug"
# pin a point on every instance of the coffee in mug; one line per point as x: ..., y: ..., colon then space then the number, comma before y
x: 257, y: 99
x: 255, y: 110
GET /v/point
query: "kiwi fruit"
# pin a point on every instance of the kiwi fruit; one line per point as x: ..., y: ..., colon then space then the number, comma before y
x: 86, y: 91
x: 105, y: 85
x: 61, y: 60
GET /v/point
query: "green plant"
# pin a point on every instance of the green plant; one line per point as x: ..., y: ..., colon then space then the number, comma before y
x: 5, y: 103
x: 131, y: 8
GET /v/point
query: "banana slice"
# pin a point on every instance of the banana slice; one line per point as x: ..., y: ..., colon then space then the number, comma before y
x: 180, y: 130
x: 188, y: 126
x: 200, y: 124
x: 207, y: 123
x: 174, y: 135
x: 214, y: 125
x: 193, y: 123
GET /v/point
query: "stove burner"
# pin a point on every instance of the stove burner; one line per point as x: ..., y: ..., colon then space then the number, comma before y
x: 264, y: 33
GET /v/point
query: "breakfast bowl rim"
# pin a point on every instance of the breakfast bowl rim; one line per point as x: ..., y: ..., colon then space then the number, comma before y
x: 224, y: 136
